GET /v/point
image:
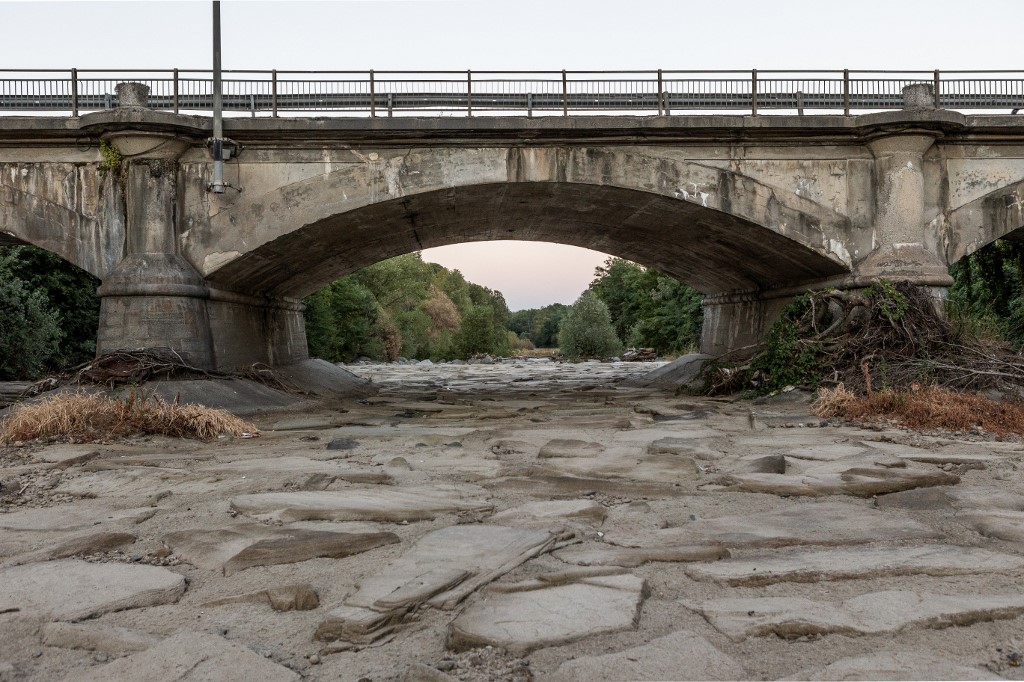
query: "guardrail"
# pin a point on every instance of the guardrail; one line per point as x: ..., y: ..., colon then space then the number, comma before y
x: 469, y: 93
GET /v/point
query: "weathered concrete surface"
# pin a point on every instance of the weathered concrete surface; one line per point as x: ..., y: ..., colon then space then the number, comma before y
x: 749, y: 210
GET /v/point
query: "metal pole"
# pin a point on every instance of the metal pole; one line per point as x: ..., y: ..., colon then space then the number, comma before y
x: 565, y: 96
x: 218, y: 108
x: 175, y: 98
x: 469, y: 93
x: 273, y: 93
x: 846, y: 92
x: 935, y: 87
x: 661, y: 95
x: 753, y: 92
x: 74, y: 92
x: 373, y: 96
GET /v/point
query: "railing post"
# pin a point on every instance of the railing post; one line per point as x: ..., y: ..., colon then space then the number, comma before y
x: 846, y: 92
x: 373, y: 95
x: 174, y: 92
x: 565, y: 95
x: 74, y: 92
x: 273, y: 93
x: 935, y: 87
x: 753, y: 92
x: 661, y: 95
x: 469, y: 92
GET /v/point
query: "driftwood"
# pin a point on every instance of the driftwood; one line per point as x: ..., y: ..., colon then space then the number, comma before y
x: 888, y: 336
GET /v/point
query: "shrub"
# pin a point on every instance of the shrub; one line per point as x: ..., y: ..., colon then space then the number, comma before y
x: 84, y: 417
x: 587, y: 331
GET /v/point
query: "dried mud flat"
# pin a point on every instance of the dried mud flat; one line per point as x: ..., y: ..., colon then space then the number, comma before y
x: 517, y: 521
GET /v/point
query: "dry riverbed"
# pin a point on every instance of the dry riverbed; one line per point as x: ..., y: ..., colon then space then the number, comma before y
x: 517, y: 521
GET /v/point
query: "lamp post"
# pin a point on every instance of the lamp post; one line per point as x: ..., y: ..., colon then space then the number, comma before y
x: 217, y: 186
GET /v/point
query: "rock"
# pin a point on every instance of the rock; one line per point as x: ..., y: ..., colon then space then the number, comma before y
x: 772, y: 464
x: 869, y: 614
x: 1005, y: 525
x: 242, y: 546
x: 190, y: 657
x: 857, y: 481
x: 300, y: 597
x: 399, y: 463
x: 342, y: 444
x: 83, y: 544
x: 562, y: 447
x: 543, y: 513
x: 684, y: 372
x: 301, y: 465
x: 441, y: 570
x: 682, y: 655
x: 72, y: 517
x: 392, y: 504
x: 424, y: 363
x: 630, y: 557
x: 683, y: 446
x: 894, y: 665
x: 300, y: 545
x: 74, y: 590
x: 855, y: 563
x: 522, y: 621
x: 92, y: 636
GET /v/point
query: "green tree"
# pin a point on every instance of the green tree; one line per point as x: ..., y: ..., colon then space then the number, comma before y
x: 987, y: 295
x: 476, y: 334
x: 587, y: 330
x: 340, y: 322
x: 30, y: 331
x: 67, y: 291
x: 649, y: 309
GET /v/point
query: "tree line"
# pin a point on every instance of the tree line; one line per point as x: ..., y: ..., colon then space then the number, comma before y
x: 406, y: 308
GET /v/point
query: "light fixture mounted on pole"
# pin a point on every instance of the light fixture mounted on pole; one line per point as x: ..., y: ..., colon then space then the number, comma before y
x: 220, y: 147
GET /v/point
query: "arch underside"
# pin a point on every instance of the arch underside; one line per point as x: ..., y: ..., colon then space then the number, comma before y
x: 997, y: 215
x: 708, y: 249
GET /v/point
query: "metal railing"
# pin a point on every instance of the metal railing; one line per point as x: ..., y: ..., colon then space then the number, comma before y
x: 469, y: 93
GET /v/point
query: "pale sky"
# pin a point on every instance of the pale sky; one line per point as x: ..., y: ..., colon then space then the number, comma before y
x: 520, y: 35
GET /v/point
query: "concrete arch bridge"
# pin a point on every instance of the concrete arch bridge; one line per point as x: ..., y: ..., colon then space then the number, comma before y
x: 750, y: 210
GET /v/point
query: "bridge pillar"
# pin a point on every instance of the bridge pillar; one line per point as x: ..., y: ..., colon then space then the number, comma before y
x: 153, y: 297
x: 905, y: 246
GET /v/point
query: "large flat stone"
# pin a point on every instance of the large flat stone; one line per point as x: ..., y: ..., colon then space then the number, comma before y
x: 894, y: 665
x: 869, y: 614
x: 89, y: 543
x: 522, y: 621
x: 75, y: 590
x: 865, y: 481
x: 843, y: 564
x: 190, y: 657
x: 245, y: 545
x: 567, y: 447
x: 807, y: 523
x: 93, y: 636
x: 72, y: 517
x: 381, y: 504
x: 680, y: 656
x: 630, y: 557
x: 441, y: 570
x: 301, y: 465
x: 1002, y: 524
x: 546, y: 512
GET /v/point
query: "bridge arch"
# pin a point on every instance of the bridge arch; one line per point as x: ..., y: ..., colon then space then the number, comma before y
x: 997, y: 215
x: 715, y: 229
x: 66, y: 210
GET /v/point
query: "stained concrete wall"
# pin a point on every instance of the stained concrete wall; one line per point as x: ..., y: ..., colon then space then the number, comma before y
x: 750, y: 210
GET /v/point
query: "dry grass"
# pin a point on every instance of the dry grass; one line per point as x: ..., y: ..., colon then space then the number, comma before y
x: 924, y: 407
x: 84, y: 417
